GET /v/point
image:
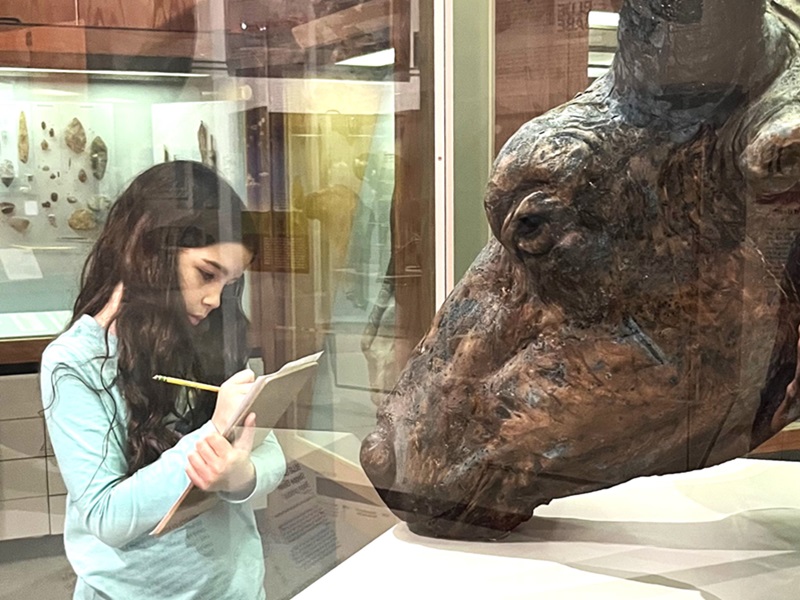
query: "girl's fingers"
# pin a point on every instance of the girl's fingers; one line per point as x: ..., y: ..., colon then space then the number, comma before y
x: 207, y: 464
x: 201, y: 466
x: 247, y: 435
x: 195, y: 477
x: 214, y: 449
x: 206, y: 454
x: 217, y: 445
x: 214, y: 456
x: 244, y: 376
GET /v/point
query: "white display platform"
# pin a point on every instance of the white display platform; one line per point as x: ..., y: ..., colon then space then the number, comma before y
x: 33, y: 324
x: 730, y: 532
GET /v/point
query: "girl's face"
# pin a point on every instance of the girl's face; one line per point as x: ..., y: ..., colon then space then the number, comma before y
x: 203, y: 272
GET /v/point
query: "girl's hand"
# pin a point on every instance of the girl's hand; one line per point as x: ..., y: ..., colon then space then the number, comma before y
x: 216, y: 465
x: 229, y: 398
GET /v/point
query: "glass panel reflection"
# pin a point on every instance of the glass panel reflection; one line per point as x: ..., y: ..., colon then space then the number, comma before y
x: 319, y: 115
x: 636, y: 312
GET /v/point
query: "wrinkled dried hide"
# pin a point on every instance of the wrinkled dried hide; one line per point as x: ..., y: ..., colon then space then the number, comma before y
x: 624, y: 321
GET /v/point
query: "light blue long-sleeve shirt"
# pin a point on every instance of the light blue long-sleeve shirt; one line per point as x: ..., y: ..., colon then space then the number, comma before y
x: 109, y: 515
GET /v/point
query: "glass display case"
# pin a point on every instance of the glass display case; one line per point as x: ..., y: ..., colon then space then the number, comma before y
x: 296, y: 105
x: 70, y: 145
x: 609, y: 390
x: 320, y: 116
x: 642, y: 209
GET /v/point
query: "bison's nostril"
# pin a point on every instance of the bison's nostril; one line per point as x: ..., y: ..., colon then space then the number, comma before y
x: 378, y: 460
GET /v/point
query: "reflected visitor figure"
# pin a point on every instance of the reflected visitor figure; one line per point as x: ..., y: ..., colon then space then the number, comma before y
x: 160, y: 293
x: 636, y: 312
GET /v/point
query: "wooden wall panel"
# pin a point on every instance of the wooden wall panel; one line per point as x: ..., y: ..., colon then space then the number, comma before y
x: 161, y: 15
x: 39, y: 12
x: 16, y: 352
x: 413, y: 210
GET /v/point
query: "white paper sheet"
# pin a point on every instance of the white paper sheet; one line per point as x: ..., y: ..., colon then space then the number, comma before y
x: 20, y: 264
x: 31, y: 208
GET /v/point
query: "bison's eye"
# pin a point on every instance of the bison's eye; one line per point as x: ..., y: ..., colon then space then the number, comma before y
x: 533, y: 233
x: 528, y: 225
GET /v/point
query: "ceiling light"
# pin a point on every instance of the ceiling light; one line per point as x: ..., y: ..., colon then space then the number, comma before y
x: 599, y: 19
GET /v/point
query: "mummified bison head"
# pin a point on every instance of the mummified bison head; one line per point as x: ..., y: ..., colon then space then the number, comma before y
x: 637, y: 312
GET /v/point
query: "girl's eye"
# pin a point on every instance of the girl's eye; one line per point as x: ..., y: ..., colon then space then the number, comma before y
x: 207, y: 277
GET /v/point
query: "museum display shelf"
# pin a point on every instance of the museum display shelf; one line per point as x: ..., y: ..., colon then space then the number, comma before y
x: 729, y: 532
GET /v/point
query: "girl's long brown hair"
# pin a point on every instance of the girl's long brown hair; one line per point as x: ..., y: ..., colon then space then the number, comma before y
x: 174, y: 205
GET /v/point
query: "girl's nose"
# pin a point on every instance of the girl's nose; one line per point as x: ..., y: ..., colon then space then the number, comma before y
x: 212, y: 299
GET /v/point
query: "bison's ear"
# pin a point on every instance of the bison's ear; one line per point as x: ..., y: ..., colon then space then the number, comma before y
x: 771, y: 160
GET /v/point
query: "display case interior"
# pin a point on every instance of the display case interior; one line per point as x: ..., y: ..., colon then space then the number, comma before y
x: 68, y: 146
x: 321, y: 118
x: 93, y: 92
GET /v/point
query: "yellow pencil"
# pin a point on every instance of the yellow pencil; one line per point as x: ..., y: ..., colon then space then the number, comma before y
x: 186, y: 383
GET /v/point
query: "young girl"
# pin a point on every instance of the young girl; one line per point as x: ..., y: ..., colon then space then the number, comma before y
x: 160, y: 293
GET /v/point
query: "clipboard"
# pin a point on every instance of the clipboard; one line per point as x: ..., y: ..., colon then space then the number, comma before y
x: 269, y: 397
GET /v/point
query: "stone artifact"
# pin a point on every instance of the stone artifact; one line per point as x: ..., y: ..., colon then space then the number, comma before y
x: 54, y: 196
x: 99, y: 203
x: 7, y: 208
x: 633, y: 314
x: 46, y: 204
x: 7, y: 174
x: 82, y: 220
x: 75, y: 136
x: 23, y: 143
x: 207, y: 145
x: 99, y: 155
x: 202, y: 143
x: 44, y: 125
x: 19, y: 223
x: 82, y: 177
x: 51, y: 218
x: 212, y: 154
